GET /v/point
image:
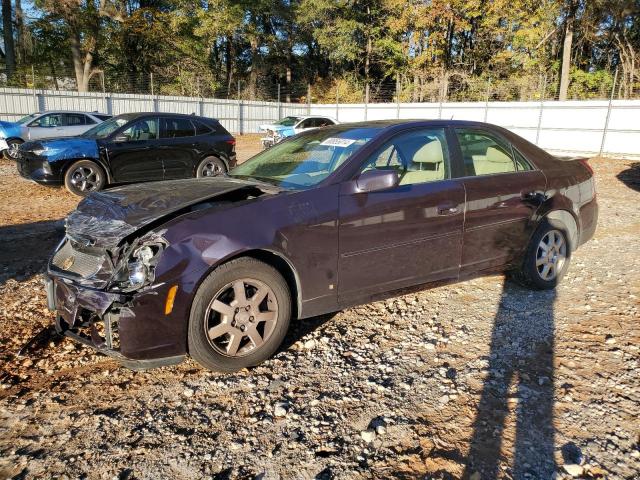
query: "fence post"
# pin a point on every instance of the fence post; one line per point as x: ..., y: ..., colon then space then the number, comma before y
x: 337, y: 101
x: 606, y: 122
x: 239, y: 111
x: 104, y: 93
x: 366, y: 101
x: 544, y: 92
x: 397, y: 96
x: 308, y: 99
x: 279, y: 105
x: 486, y: 101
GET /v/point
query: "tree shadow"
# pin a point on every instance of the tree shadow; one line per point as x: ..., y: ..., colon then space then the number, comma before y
x: 520, y: 382
x: 631, y: 176
x: 25, y: 248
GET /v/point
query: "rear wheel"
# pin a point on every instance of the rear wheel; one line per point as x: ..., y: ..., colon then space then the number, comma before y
x: 12, y: 152
x: 84, y: 177
x: 547, y: 258
x: 239, y: 316
x: 211, y: 167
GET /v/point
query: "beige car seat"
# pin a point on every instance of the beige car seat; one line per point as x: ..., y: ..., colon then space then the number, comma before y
x: 427, y: 165
x: 495, y: 161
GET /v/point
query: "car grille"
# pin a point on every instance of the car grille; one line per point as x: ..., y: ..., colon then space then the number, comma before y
x: 74, y: 261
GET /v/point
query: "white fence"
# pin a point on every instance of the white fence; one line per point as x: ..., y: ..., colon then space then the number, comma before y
x: 610, y: 128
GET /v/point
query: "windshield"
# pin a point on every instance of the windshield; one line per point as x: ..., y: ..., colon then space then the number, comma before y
x: 104, y: 129
x: 24, y: 120
x: 306, y: 160
x: 288, y: 121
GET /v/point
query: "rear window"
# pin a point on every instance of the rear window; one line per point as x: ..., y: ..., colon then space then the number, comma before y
x: 176, y: 128
x: 201, y: 128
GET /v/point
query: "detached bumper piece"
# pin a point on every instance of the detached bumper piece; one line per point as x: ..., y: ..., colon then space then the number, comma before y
x: 92, y: 319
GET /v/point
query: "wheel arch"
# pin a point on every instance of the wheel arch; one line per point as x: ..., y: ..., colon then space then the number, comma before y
x: 566, y: 218
x: 275, y: 260
x: 100, y: 163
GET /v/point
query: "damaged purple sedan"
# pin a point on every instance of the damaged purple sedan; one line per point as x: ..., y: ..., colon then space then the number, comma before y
x: 216, y: 268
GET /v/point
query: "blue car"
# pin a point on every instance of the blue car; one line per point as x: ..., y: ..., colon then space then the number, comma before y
x: 57, y: 123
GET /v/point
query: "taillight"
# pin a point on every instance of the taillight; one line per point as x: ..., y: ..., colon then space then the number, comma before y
x: 585, y: 162
x: 232, y: 142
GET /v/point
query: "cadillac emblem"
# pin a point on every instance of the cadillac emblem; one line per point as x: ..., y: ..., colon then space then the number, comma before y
x: 68, y: 263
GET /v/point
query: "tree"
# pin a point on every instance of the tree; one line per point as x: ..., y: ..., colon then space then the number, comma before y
x: 7, y: 31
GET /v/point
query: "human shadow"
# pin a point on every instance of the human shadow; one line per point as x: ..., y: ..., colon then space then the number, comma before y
x: 520, y: 383
x: 25, y: 248
x: 631, y: 176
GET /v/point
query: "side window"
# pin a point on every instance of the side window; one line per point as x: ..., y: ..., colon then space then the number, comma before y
x: 176, y: 128
x: 146, y: 129
x: 88, y: 120
x: 522, y: 164
x: 201, y: 128
x: 308, y: 123
x: 50, y: 120
x: 419, y: 156
x: 73, y: 119
x: 484, y: 153
x: 102, y: 117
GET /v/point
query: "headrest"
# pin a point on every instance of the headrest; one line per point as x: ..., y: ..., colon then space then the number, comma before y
x: 429, y: 153
x: 496, y: 155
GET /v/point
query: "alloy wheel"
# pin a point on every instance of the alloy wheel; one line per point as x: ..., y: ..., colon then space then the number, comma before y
x: 13, y: 150
x: 241, y: 317
x: 211, y: 169
x: 551, y: 255
x: 85, y: 179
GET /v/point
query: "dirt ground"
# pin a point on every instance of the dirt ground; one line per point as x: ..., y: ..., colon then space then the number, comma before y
x: 479, y: 380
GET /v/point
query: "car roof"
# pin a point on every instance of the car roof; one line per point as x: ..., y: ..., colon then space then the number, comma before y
x: 71, y: 111
x: 417, y: 122
x: 136, y: 115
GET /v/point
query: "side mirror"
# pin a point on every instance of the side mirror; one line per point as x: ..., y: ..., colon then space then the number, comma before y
x: 375, y: 180
x: 121, y: 138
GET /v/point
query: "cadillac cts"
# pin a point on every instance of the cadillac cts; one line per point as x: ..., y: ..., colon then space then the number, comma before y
x: 218, y: 267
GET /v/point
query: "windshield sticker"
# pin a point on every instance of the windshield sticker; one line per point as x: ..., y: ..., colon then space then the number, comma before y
x: 338, y: 142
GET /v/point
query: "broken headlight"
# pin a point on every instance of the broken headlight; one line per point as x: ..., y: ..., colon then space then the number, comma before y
x: 140, y: 267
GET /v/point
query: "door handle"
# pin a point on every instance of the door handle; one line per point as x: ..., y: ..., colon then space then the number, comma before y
x: 447, y: 210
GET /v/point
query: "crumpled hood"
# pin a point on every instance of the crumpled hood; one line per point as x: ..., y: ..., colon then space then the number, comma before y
x: 105, y: 218
x: 63, y: 148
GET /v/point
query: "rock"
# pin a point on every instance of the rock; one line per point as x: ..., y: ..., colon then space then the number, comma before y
x: 368, y: 435
x: 188, y: 392
x: 310, y: 344
x: 381, y: 430
x: 475, y: 476
x: 573, y: 469
x: 280, y: 409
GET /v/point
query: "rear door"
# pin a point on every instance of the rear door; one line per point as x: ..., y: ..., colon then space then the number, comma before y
x: 74, y: 124
x: 503, y: 192
x: 408, y: 234
x: 133, y: 153
x: 178, y: 147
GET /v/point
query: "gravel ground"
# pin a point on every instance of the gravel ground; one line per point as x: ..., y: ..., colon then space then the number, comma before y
x: 482, y: 379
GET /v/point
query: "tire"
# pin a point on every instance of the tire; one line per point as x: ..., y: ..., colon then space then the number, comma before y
x: 84, y: 177
x: 227, y: 335
x: 12, y: 152
x: 211, y: 167
x: 536, y: 261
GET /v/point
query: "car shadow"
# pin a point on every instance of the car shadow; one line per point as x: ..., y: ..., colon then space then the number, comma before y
x: 631, y: 176
x: 300, y: 328
x: 25, y: 248
x: 520, y: 384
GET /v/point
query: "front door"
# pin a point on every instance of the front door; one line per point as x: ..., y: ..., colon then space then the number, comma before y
x: 503, y: 193
x: 49, y: 125
x: 133, y: 153
x: 408, y: 234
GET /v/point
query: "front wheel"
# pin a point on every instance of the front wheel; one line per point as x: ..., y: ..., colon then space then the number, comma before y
x: 211, y: 167
x: 12, y: 152
x: 84, y: 177
x: 547, y: 258
x: 240, y: 316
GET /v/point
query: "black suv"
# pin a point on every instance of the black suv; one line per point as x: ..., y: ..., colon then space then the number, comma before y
x: 133, y: 147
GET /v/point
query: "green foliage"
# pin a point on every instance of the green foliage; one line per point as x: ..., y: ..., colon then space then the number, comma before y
x: 436, y: 49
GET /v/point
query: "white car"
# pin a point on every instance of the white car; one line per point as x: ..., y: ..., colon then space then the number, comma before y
x: 58, y: 123
x: 292, y: 125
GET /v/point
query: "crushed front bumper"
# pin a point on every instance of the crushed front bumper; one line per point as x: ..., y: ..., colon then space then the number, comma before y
x: 96, y: 319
